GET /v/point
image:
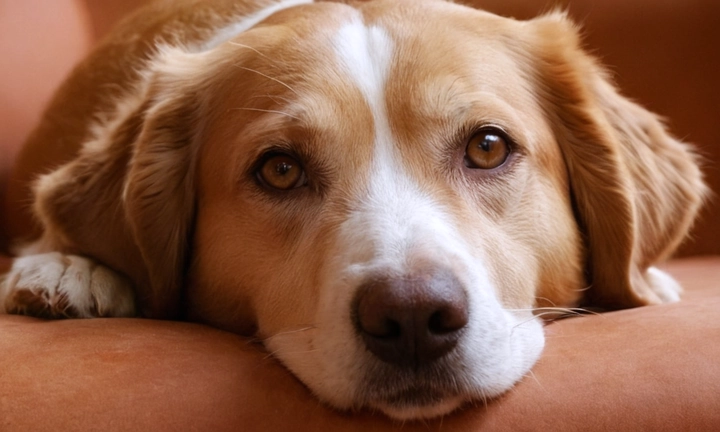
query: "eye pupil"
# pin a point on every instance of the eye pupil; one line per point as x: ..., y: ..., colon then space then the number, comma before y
x: 488, y: 141
x: 283, y: 168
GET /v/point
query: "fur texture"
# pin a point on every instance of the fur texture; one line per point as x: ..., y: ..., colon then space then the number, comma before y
x: 149, y: 156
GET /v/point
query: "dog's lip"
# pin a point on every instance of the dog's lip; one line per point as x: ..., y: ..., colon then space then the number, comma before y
x: 419, y: 402
x: 413, y: 394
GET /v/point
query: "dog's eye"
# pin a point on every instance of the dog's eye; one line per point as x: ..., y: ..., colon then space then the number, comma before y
x: 281, y: 171
x: 487, y: 149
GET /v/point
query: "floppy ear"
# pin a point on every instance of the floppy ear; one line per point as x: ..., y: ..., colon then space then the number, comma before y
x: 636, y: 189
x: 127, y: 199
x: 159, y: 199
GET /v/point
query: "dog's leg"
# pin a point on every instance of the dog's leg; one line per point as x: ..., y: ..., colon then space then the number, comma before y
x: 54, y: 285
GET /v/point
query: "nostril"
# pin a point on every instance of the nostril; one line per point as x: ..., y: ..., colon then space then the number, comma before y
x: 448, y: 320
x: 392, y: 330
x: 381, y: 328
x: 437, y: 323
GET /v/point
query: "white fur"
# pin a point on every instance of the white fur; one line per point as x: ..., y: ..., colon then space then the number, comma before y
x: 663, y: 285
x: 392, y: 226
x: 92, y: 290
x: 365, y: 54
x: 395, y: 226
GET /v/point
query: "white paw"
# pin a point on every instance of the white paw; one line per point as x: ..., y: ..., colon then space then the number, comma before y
x: 54, y: 285
x: 663, y: 285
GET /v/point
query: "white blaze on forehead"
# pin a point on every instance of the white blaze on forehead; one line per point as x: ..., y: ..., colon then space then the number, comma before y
x: 398, y: 227
x: 366, y: 55
x: 395, y: 215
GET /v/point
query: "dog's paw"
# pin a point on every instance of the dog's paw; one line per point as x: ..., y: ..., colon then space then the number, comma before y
x: 54, y: 285
x: 663, y: 285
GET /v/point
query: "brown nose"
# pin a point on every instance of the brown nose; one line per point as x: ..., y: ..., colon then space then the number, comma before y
x: 413, y: 320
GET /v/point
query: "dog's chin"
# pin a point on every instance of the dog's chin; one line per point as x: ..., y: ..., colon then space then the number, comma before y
x: 408, y: 408
x: 423, y: 393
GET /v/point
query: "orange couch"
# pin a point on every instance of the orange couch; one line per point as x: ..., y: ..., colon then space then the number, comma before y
x: 652, y: 368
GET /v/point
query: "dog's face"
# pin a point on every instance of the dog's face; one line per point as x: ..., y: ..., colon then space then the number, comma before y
x: 383, y: 194
x: 386, y: 201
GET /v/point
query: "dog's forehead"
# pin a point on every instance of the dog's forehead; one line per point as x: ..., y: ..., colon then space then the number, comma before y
x: 404, y: 43
x: 381, y: 72
x: 416, y: 62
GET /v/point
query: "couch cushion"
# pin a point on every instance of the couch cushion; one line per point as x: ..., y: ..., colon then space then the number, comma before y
x: 652, y: 368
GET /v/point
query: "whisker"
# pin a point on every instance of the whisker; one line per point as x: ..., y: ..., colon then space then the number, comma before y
x: 252, y: 49
x: 585, y: 288
x: 282, y: 333
x: 561, y: 310
x: 522, y: 323
x: 272, y: 354
x: 569, y: 311
x: 273, y: 98
x: 542, y: 314
x: 266, y: 76
x: 558, y: 310
x: 253, y: 341
x: 302, y: 329
x: 532, y: 375
x: 546, y: 300
x: 268, y: 111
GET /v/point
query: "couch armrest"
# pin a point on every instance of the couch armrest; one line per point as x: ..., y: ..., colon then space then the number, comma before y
x: 650, y: 368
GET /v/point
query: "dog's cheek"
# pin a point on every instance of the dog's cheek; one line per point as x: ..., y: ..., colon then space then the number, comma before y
x: 545, y: 250
x: 533, y: 246
x: 561, y: 254
x: 248, y: 270
x: 290, y: 261
x: 513, y: 270
x: 231, y: 266
x: 213, y: 295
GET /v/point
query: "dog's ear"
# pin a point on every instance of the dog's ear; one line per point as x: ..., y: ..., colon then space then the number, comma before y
x: 159, y: 190
x: 636, y: 190
x: 127, y: 199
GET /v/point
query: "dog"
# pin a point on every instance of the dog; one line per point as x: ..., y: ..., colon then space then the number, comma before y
x: 389, y: 194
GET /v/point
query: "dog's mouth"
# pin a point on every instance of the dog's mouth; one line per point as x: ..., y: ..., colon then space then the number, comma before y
x: 417, y: 402
x: 417, y: 393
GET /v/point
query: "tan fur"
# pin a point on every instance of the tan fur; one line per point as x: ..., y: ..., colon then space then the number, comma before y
x: 150, y: 151
x: 637, y: 190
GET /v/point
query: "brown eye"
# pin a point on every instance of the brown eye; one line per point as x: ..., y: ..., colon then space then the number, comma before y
x: 282, y: 171
x: 487, y: 149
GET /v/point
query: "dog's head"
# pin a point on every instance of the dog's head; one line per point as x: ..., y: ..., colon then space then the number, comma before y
x: 384, y: 193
